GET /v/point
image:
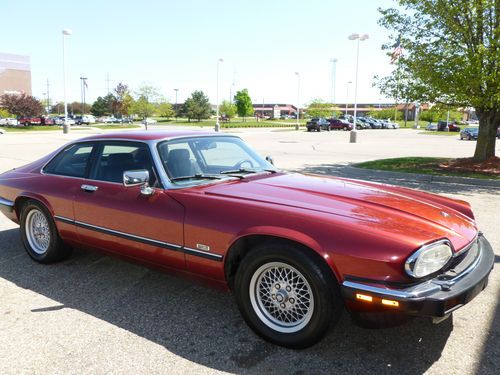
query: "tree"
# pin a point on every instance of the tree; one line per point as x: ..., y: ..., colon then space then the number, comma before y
x: 165, y: 109
x: 438, y: 112
x: 5, y: 114
x: 121, y: 103
x: 197, y: 106
x: 452, y: 54
x: 318, y: 108
x: 21, y: 105
x: 228, y: 109
x: 386, y: 113
x: 103, y: 106
x: 243, y: 103
x: 144, y: 105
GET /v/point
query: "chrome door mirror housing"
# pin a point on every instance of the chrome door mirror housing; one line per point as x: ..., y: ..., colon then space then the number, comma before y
x: 135, y: 178
x: 138, y: 178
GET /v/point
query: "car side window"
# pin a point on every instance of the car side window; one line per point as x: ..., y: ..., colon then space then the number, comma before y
x: 116, y: 157
x: 72, y: 161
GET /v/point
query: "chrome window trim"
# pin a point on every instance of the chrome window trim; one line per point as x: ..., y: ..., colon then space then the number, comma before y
x: 171, y: 186
x: 147, y: 143
x: 152, y: 144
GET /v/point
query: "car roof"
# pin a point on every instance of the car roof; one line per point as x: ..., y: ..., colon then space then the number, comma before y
x: 144, y: 135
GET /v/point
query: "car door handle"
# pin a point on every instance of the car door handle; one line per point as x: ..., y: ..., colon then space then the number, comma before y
x: 89, y: 188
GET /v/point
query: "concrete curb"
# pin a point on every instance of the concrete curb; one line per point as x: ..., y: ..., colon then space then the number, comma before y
x: 362, y: 172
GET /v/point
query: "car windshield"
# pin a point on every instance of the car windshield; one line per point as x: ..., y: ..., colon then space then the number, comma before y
x: 198, y: 160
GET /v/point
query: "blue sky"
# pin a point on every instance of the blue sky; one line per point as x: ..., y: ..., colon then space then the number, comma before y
x: 176, y: 44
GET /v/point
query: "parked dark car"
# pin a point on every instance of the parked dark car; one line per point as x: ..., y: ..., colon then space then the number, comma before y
x: 452, y: 127
x: 469, y: 133
x: 336, y: 124
x: 317, y: 124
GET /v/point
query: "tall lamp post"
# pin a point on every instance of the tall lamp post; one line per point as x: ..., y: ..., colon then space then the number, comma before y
x: 217, y: 125
x: 65, y: 33
x: 84, y: 85
x: 359, y: 38
x: 334, y: 79
x: 347, y: 96
x: 298, y: 100
x: 176, y: 91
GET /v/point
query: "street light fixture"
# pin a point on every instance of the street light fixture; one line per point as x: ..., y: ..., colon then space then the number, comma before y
x: 217, y: 125
x: 359, y: 38
x: 65, y: 33
x: 347, y: 96
x: 334, y: 79
x: 298, y: 100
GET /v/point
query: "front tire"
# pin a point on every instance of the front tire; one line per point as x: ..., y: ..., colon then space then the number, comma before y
x: 286, y: 296
x: 39, y: 234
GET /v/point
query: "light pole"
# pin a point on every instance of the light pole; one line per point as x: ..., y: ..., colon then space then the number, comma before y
x: 65, y: 33
x: 347, y: 97
x: 334, y: 79
x: 298, y: 100
x: 176, y: 91
x: 217, y: 125
x: 84, y: 85
x: 359, y: 38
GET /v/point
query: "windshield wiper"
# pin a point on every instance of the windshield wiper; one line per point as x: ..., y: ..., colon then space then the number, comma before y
x: 241, y: 170
x: 238, y: 172
x: 197, y: 176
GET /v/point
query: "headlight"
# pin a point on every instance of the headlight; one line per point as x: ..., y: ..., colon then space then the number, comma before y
x: 428, y: 259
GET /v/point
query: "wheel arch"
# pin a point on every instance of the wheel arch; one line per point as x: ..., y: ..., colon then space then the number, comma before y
x: 243, y: 244
x: 26, y: 196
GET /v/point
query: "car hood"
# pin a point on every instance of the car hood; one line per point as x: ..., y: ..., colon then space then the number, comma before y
x: 420, y: 216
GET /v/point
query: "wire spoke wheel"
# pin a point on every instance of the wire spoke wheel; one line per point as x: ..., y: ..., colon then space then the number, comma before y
x: 37, y: 231
x: 281, y: 297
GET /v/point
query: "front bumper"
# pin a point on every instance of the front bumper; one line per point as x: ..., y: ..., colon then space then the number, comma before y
x: 7, y: 208
x: 437, y: 297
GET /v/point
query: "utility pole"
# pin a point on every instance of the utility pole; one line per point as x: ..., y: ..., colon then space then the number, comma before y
x: 48, y: 96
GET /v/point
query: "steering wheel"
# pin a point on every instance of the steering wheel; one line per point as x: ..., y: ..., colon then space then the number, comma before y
x: 239, y: 165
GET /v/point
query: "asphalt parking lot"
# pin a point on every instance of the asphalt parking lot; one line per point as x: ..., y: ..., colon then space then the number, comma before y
x: 96, y: 314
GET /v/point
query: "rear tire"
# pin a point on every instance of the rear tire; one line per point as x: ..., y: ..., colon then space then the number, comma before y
x: 286, y: 296
x: 39, y: 234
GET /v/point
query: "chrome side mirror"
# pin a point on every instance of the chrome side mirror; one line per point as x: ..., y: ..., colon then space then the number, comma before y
x: 138, y: 178
x: 270, y: 159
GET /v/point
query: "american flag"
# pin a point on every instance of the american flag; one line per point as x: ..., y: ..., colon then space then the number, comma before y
x: 397, y: 52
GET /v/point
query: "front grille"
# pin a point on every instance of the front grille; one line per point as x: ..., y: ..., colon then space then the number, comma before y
x: 461, y: 262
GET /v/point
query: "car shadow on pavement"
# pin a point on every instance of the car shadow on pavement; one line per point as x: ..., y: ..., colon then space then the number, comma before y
x: 203, y: 325
x: 415, y: 181
x: 490, y: 351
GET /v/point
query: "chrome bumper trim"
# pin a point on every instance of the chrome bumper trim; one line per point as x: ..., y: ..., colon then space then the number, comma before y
x: 417, y: 291
x: 6, y: 204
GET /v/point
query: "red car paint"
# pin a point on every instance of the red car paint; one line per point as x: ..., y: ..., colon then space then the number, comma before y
x: 361, y: 229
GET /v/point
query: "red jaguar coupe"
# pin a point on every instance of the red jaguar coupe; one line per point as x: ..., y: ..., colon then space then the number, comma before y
x: 294, y: 249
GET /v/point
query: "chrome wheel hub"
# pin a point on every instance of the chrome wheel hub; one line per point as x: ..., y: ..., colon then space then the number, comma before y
x: 37, y: 231
x: 281, y: 297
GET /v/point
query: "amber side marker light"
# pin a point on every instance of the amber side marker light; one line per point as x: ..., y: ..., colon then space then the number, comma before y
x: 364, y: 297
x: 389, y: 302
